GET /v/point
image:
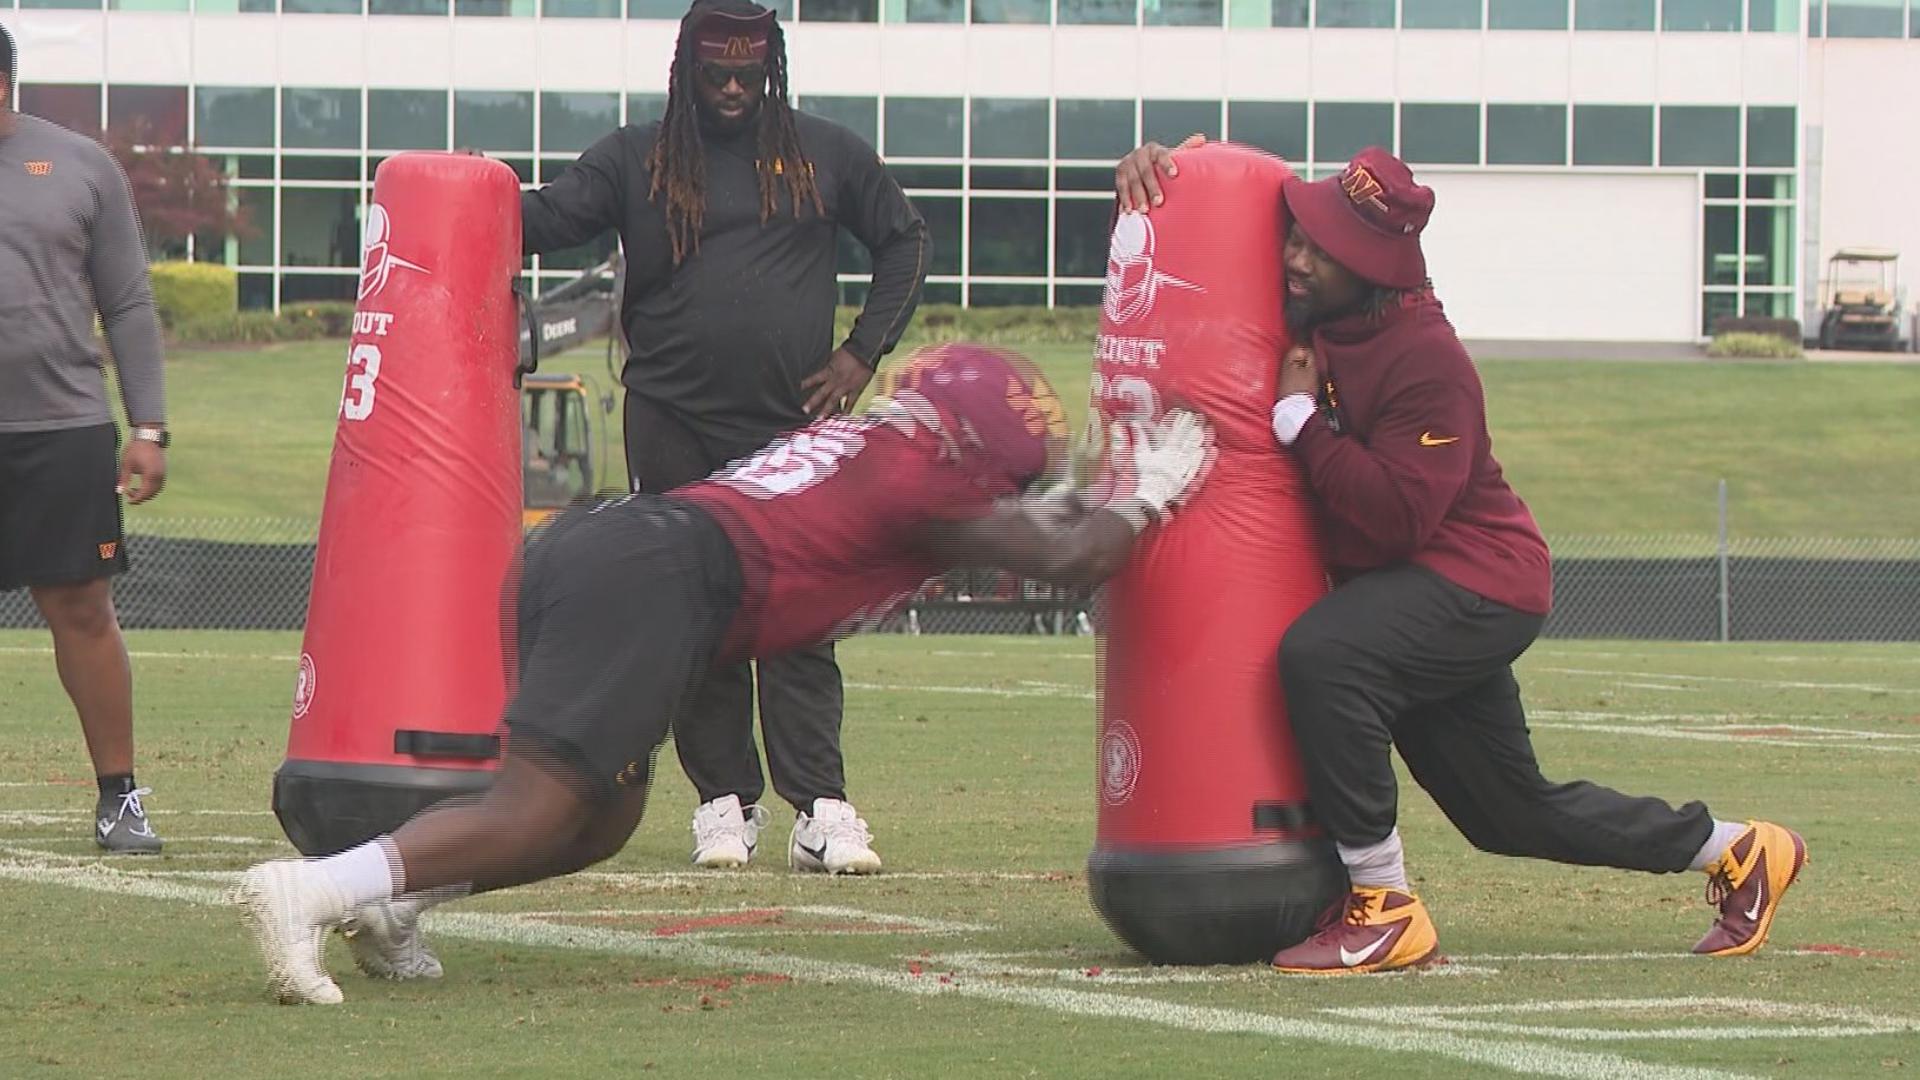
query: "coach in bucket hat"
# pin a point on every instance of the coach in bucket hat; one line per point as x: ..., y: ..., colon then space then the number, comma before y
x: 1368, y: 218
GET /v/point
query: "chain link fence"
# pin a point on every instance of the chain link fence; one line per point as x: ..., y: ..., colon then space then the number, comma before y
x: 253, y: 574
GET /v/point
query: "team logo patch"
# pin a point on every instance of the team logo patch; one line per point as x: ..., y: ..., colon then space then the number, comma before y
x: 39, y: 168
x: 1133, y: 282
x: 108, y: 550
x: 1119, y: 762
x: 303, y: 687
x: 377, y: 260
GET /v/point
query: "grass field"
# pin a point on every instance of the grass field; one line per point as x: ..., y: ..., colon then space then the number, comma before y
x: 977, y: 954
x: 1595, y: 447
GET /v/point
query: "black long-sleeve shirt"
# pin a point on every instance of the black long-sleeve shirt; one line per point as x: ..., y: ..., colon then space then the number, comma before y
x: 724, y: 340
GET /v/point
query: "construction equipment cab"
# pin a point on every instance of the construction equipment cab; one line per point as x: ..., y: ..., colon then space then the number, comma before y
x: 1862, y: 301
x: 556, y: 444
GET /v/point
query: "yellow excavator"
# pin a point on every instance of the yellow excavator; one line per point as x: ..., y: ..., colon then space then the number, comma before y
x: 563, y: 440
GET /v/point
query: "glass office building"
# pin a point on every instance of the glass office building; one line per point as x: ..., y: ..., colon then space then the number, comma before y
x: 1606, y: 169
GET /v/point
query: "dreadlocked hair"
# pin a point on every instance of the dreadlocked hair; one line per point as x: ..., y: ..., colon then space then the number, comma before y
x: 677, y: 163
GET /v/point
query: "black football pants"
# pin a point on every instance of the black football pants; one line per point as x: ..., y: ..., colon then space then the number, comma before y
x: 801, y: 698
x: 1402, y: 657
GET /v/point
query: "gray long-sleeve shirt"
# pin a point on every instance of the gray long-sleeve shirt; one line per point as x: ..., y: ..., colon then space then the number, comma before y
x: 70, y: 245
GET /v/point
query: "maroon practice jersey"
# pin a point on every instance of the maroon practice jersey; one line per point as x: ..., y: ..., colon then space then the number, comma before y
x: 827, y: 523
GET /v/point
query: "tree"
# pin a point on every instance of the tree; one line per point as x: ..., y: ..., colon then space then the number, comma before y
x: 178, y: 191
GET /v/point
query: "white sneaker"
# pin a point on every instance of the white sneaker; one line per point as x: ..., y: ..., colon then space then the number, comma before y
x: 386, y: 942
x: 724, y: 835
x: 291, y: 908
x: 832, y: 840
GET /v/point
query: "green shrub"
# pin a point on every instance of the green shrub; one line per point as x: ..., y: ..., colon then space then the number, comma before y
x: 1755, y: 347
x: 318, y: 319
x: 189, y: 290
x: 1757, y: 324
x: 236, y: 328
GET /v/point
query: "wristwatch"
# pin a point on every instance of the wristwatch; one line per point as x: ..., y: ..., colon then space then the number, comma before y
x: 158, y: 436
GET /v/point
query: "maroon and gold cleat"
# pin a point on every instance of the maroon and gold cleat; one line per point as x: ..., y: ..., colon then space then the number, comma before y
x: 1371, y: 930
x: 1748, y: 882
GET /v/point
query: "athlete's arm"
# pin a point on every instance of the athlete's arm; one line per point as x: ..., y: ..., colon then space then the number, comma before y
x: 1061, y: 542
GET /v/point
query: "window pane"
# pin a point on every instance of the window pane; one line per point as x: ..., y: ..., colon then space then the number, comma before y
x: 407, y: 7
x: 1010, y: 177
x: 305, y: 288
x: 936, y: 176
x: 1084, y: 178
x: 860, y: 115
x: 1008, y: 295
x: 1716, y: 306
x: 497, y: 8
x: 407, y: 119
x: 1009, y: 127
x: 1769, y: 245
x: 1440, y: 134
x: 942, y: 213
x: 1440, y: 14
x: 1099, y: 12
x: 935, y: 11
x: 1527, y: 14
x: 1078, y: 295
x: 1010, y: 11
x: 1171, y: 121
x: 149, y: 5
x: 1613, y: 135
x: 1865, y: 18
x: 1613, y: 14
x: 321, y: 7
x: 1094, y: 130
x: 1290, y: 12
x: 840, y: 11
x: 645, y: 108
x: 923, y: 127
x: 1276, y: 126
x: 1768, y: 305
x: 1342, y: 129
x: 575, y: 121
x: 1526, y: 134
x: 1773, y: 15
x: 493, y: 120
x: 1182, y: 12
x: 301, y: 167
x: 656, y: 9
x: 256, y: 244
x: 1080, y: 228
x: 1770, y: 135
x: 1009, y: 236
x: 1723, y: 186
x: 73, y: 5
x: 580, y: 9
x: 74, y: 107
x: 1722, y: 245
x: 320, y: 118
x: 160, y: 110
x: 1699, y: 135
x: 1354, y: 13
x: 1769, y: 186
x: 1700, y: 14
x: 319, y: 227
x: 233, y: 116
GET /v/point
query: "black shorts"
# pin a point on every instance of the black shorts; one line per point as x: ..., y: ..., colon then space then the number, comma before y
x: 60, y: 518
x: 622, y: 605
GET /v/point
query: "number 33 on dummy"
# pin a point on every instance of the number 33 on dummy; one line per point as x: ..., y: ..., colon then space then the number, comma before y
x: 403, y: 676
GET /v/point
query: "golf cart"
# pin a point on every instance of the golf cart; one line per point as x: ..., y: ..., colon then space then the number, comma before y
x: 1862, y: 301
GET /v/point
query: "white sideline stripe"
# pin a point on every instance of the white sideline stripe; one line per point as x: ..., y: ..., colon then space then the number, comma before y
x: 1712, y: 736
x: 1842, y: 1022
x: 142, y: 654
x: 1662, y: 686
x: 994, y: 652
x: 1780, y: 684
x: 1521, y: 1057
x: 1590, y: 958
x: 1129, y: 974
x: 825, y: 911
x: 988, y: 691
x: 1547, y: 652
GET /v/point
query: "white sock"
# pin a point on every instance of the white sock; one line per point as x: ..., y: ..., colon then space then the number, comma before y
x: 430, y: 898
x: 1376, y: 866
x: 366, y: 873
x: 1723, y: 835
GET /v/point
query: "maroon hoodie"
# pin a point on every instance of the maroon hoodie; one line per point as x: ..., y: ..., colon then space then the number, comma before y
x: 1399, y: 457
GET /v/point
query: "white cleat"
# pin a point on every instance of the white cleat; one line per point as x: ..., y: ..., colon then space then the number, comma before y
x: 724, y: 834
x: 832, y: 840
x: 386, y: 942
x: 291, y: 908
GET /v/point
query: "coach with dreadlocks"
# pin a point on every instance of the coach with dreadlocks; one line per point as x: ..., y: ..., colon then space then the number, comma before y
x: 728, y: 208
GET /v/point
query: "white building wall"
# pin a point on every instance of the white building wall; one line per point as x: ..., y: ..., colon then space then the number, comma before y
x: 1863, y: 101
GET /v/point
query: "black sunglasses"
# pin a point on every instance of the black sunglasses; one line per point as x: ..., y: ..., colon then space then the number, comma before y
x: 750, y: 76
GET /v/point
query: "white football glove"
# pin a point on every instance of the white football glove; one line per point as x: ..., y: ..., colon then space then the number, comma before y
x: 1167, y: 458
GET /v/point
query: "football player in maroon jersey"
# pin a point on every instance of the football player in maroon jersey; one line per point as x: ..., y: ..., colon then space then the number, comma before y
x: 624, y: 604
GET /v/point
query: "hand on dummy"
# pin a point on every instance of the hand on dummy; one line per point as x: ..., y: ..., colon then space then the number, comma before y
x: 1135, y: 179
x: 837, y: 385
x: 1169, y: 457
x: 1298, y: 372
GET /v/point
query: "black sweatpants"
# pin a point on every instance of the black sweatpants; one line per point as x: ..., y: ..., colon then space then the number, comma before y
x: 1402, y: 657
x: 801, y: 697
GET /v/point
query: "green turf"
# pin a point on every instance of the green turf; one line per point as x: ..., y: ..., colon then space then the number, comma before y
x: 972, y: 757
x: 1595, y: 447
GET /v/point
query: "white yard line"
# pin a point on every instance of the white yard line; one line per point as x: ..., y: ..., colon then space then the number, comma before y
x: 1513, y: 1055
x: 1839, y: 1023
x: 987, y: 691
x: 138, y: 654
x: 1777, y: 684
x: 1719, y: 736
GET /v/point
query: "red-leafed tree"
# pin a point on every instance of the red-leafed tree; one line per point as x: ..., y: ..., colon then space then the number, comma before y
x: 178, y: 191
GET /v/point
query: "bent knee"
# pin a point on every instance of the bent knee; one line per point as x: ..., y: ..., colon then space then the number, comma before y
x: 77, y: 609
